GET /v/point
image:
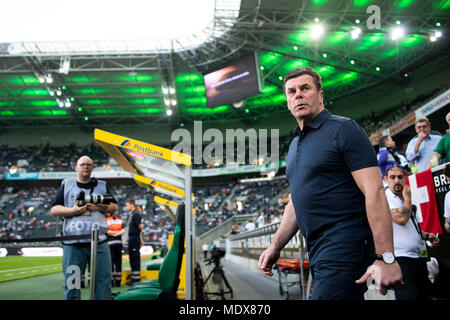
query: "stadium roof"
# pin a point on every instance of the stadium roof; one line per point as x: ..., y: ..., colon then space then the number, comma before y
x: 95, y: 83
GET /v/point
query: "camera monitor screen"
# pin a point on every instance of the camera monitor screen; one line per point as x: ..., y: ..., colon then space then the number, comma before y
x: 233, y: 81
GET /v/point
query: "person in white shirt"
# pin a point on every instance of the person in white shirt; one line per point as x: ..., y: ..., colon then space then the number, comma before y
x: 261, y: 220
x: 409, y: 240
x: 250, y: 225
x: 274, y: 219
x: 205, y: 248
x: 420, y: 148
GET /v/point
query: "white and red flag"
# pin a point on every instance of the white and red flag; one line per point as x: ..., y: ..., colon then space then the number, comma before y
x: 423, y: 196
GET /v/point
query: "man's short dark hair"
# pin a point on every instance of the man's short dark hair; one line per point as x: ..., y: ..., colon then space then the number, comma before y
x: 297, y: 72
x: 382, y: 141
x: 447, y: 170
x: 131, y: 201
x: 395, y: 166
x: 423, y: 119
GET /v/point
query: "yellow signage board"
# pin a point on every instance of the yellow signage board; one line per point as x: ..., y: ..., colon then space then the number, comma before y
x: 158, y: 184
x: 142, y: 147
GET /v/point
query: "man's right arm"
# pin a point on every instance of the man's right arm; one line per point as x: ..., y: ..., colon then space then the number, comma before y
x: 401, y: 215
x: 62, y: 211
x: 59, y: 210
x: 411, y: 153
x: 288, y: 228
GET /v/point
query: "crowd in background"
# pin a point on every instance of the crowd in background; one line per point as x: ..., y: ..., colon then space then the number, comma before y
x: 62, y: 158
x: 25, y: 212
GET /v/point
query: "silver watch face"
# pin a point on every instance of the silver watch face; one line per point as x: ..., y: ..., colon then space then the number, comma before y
x: 388, y: 257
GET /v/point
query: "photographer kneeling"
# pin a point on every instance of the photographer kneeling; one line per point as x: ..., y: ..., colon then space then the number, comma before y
x: 80, y: 216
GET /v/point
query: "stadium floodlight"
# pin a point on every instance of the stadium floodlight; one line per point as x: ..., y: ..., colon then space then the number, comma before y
x: 397, y: 33
x: 171, y: 90
x: 174, y: 102
x: 169, y: 112
x: 317, y: 30
x: 355, y: 33
x: 49, y: 78
x: 167, y: 102
x: 67, y: 104
x: 165, y: 90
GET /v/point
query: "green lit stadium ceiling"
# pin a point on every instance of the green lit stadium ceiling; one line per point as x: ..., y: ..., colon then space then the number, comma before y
x: 127, y: 88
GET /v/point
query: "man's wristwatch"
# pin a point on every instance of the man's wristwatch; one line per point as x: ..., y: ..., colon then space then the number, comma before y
x: 387, y: 257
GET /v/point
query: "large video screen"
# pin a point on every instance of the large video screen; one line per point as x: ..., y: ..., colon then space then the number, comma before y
x: 233, y: 81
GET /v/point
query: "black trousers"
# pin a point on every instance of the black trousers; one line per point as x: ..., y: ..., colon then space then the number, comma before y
x: 416, y: 285
x: 134, y: 245
x: 116, y: 257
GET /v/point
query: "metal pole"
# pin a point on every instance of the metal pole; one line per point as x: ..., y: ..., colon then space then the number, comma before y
x: 188, y: 232
x: 94, y: 247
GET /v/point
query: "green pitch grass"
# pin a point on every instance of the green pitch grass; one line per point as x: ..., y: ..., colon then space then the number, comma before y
x: 17, y: 267
x: 41, y: 278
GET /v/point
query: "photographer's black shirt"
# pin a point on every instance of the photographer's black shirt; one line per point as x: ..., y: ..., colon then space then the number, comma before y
x: 59, y: 198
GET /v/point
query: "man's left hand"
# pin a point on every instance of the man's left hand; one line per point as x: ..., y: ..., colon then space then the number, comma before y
x: 386, y: 276
x: 97, y: 207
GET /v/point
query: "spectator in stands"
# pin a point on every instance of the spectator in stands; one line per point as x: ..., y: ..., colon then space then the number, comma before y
x: 260, y: 222
x: 442, y: 151
x: 447, y: 118
x: 205, y: 250
x: 447, y: 200
x: 409, y: 240
x: 387, y: 155
x: 250, y: 224
x: 234, y: 229
x: 79, y: 220
x: 337, y: 198
x: 135, y: 240
x: 274, y: 219
x: 420, y: 148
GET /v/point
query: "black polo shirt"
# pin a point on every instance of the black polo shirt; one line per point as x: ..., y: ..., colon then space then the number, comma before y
x: 329, y: 206
x: 133, y: 229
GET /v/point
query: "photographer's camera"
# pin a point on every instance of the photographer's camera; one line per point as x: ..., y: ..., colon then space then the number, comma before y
x: 82, y: 199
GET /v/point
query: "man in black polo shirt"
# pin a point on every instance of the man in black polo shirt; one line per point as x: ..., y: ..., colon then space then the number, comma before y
x: 337, y: 199
x: 135, y: 240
